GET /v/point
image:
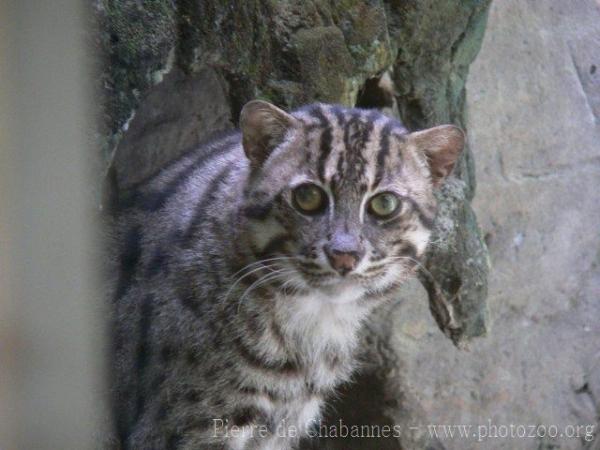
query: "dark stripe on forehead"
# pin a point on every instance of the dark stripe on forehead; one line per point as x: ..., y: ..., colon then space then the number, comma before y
x: 384, y: 149
x: 325, y: 150
x: 354, y: 120
x: 338, y: 174
x: 317, y: 113
x: 339, y: 115
x: 368, y: 129
x: 325, y: 141
x: 356, y: 135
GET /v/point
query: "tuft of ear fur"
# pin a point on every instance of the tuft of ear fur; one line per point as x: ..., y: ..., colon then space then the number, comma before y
x: 264, y: 127
x: 442, y: 146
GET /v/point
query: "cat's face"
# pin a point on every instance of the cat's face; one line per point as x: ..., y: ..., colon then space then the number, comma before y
x: 342, y: 196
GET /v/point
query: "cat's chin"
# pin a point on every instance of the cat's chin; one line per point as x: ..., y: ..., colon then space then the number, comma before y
x: 342, y: 291
x: 329, y: 281
x: 335, y: 281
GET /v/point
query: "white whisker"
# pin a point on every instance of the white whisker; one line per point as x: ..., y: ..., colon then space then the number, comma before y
x: 264, y: 279
x: 262, y: 261
x: 268, y: 267
x: 417, y: 262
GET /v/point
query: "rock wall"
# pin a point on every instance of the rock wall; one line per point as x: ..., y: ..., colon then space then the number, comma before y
x: 175, y: 71
x: 533, y: 121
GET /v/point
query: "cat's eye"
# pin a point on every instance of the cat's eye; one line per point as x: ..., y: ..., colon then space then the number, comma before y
x: 309, y: 198
x: 384, y: 205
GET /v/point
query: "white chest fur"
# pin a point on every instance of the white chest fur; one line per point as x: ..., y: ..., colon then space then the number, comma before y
x: 322, y: 318
x: 323, y: 325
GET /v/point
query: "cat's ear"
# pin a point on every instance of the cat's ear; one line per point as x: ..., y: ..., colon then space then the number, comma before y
x: 264, y: 126
x: 442, y: 146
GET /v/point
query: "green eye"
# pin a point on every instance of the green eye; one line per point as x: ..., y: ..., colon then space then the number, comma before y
x: 383, y: 205
x: 309, y: 198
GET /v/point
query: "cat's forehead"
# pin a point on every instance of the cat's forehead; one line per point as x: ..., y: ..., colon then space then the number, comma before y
x: 341, y: 118
x: 350, y: 149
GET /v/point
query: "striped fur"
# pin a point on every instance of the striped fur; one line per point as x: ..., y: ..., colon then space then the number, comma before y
x: 226, y: 309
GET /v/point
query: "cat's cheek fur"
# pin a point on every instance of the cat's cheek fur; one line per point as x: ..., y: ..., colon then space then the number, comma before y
x: 394, y: 273
x: 263, y: 232
x: 419, y: 237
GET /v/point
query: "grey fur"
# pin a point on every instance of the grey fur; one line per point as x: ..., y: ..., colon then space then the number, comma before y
x: 204, y: 333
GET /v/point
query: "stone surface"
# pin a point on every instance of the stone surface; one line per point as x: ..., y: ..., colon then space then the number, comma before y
x: 439, y: 40
x: 533, y: 128
x: 178, y: 113
x: 135, y: 41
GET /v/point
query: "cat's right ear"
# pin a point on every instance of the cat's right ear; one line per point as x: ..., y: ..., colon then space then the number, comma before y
x: 264, y: 126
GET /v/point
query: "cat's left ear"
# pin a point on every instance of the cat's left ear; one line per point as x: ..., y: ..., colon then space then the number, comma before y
x: 264, y: 126
x: 442, y: 146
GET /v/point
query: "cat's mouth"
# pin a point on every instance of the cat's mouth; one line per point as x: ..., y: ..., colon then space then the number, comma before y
x: 374, y: 278
x: 326, y: 277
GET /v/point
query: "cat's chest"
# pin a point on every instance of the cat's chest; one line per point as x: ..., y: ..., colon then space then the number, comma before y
x: 330, y: 316
x: 322, y: 327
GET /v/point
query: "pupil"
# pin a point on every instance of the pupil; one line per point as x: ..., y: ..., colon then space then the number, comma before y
x: 308, y: 195
x: 385, y: 203
x: 309, y: 198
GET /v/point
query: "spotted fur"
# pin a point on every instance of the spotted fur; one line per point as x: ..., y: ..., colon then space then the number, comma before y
x: 226, y: 308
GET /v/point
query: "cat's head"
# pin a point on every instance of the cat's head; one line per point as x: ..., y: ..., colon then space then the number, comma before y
x: 342, y: 196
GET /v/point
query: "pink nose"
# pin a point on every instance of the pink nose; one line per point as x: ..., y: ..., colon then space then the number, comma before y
x: 342, y: 262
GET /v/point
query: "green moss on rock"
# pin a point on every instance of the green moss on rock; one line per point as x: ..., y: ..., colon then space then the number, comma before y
x: 324, y: 62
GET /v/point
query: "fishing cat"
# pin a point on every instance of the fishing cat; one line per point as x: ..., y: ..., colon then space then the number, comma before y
x: 244, y: 270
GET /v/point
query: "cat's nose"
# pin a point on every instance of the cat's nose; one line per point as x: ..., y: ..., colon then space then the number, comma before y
x: 342, y: 262
x: 343, y: 254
